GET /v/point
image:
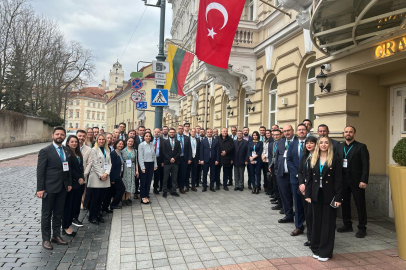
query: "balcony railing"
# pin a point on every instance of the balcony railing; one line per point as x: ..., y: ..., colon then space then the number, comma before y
x: 244, y: 37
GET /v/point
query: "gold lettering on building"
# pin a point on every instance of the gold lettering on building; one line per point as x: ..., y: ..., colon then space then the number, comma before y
x: 390, y: 47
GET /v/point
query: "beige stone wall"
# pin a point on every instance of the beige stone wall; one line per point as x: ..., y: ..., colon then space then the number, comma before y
x: 18, y: 129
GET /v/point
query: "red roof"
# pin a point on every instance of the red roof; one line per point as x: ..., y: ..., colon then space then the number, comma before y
x: 90, y: 92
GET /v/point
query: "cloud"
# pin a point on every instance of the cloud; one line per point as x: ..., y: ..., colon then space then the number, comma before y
x: 105, y: 27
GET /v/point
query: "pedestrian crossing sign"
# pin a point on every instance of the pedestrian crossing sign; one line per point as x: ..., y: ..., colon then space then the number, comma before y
x: 159, y: 97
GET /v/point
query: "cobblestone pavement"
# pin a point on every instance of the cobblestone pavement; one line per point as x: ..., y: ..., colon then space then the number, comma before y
x: 20, y: 236
x: 207, y: 229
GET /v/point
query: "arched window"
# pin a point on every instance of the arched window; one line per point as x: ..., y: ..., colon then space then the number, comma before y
x: 116, y: 80
x: 310, y: 98
x: 273, y: 98
x: 116, y: 70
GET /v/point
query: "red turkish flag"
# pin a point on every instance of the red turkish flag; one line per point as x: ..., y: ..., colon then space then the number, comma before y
x: 217, y: 23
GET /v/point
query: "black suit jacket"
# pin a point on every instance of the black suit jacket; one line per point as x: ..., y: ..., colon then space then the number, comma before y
x: 240, y: 152
x: 332, y: 181
x: 206, y: 152
x: 357, y: 162
x: 169, y: 154
x: 50, y: 174
x: 160, y: 159
x: 226, y: 144
x: 116, y: 164
x: 197, y: 148
x: 76, y: 170
x: 303, y: 167
x: 187, y: 151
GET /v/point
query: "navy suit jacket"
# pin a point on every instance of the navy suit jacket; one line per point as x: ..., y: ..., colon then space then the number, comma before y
x: 240, y: 150
x: 335, y: 143
x: 258, y: 149
x: 115, y: 166
x: 279, y: 159
x: 187, y: 151
x: 205, y: 150
x: 293, y: 160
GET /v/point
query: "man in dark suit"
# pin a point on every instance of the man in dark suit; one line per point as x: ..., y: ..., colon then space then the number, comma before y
x: 355, y: 158
x: 276, y: 134
x: 158, y: 173
x: 240, y: 161
x: 248, y: 138
x: 282, y: 174
x: 294, y: 155
x: 209, y: 158
x: 171, y: 151
x: 322, y: 130
x: 138, y: 140
x: 53, y: 182
x: 195, y: 143
x: 226, y: 148
x: 122, y: 135
x: 184, y: 161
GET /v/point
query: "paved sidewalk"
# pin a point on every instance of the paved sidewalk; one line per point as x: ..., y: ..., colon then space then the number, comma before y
x: 16, y: 152
x: 20, y: 235
x: 207, y: 229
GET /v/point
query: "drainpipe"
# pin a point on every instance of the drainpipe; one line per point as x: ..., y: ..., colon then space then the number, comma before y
x: 205, y: 115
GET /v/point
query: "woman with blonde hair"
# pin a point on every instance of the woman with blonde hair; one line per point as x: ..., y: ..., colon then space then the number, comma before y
x: 90, y: 138
x: 99, y: 179
x: 324, y: 191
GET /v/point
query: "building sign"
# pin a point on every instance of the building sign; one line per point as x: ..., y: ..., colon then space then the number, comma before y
x: 390, y: 47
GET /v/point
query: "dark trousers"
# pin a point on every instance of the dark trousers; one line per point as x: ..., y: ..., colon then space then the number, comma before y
x: 218, y: 173
x: 137, y: 182
x: 249, y: 175
x: 226, y: 174
x: 146, y: 179
x: 77, y: 210
x: 265, y: 173
x: 324, y: 227
x: 199, y: 174
x: 195, y: 169
x: 359, y: 199
x: 159, y: 177
x: 285, y: 193
x: 110, y: 192
x: 183, y: 178
x: 206, y: 166
x: 230, y: 176
x: 52, y: 209
x: 299, y: 209
x: 275, y: 186
x: 308, y: 211
x: 170, y: 172
x: 255, y: 174
x: 72, y: 203
x: 118, y: 189
x: 98, y: 196
x: 189, y: 169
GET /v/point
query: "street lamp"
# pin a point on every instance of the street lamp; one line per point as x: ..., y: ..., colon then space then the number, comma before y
x: 321, y: 81
x: 159, y: 110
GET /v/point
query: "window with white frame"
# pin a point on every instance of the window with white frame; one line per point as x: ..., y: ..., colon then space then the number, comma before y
x: 116, y: 79
x: 251, y: 10
x: 246, y: 112
x: 273, y: 99
x: 310, y: 97
x: 77, y: 114
x: 77, y: 102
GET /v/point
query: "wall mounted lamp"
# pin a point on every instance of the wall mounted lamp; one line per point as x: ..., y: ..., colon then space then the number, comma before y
x: 321, y: 80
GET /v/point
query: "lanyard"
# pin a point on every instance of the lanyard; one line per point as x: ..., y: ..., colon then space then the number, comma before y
x: 321, y: 167
x: 275, y: 147
x: 151, y: 149
x: 286, y: 144
x: 128, y: 154
x: 307, y: 161
x: 346, y: 153
x: 81, y: 148
x: 193, y: 142
x: 300, y: 145
x: 172, y: 143
x: 254, y: 147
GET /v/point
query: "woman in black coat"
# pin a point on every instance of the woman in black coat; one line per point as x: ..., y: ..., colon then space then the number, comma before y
x: 310, y: 145
x: 74, y: 197
x: 226, y: 146
x: 324, y: 192
x: 254, y: 156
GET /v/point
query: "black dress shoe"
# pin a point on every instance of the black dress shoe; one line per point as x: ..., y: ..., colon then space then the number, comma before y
x: 345, y: 228
x: 307, y: 244
x: 241, y: 189
x: 108, y: 211
x: 281, y: 212
x: 249, y: 187
x: 115, y: 207
x: 100, y: 219
x: 361, y: 234
x: 218, y: 188
x: 226, y: 188
x: 213, y: 190
x: 193, y: 189
x: 236, y: 188
x: 156, y: 191
x: 175, y: 194
x: 277, y: 207
x: 160, y: 190
x: 68, y: 234
x: 274, y: 202
x: 77, y: 223
x: 204, y: 189
x: 165, y: 194
x: 94, y: 221
x: 274, y: 199
x: 285, y: 220
x: 230, y: 184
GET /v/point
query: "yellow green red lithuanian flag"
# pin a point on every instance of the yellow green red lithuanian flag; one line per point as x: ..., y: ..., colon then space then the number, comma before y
x: 179, y: 61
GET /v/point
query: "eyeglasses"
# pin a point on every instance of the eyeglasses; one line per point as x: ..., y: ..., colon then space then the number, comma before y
x: 287, y: 130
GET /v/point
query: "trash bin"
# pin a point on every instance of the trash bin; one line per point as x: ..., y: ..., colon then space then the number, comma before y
x: 397, y: 179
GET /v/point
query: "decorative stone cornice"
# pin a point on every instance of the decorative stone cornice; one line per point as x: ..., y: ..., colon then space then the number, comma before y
x: 302, y: 7
x: 195, y: 99
x: 170, y: 111
x: 224, y: 78
x: 244, y: 68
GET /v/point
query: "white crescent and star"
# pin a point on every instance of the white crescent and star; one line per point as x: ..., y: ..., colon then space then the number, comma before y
x: 223, y: 11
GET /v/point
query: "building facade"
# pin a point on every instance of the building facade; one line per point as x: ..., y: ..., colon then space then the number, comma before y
x: 274, y: 62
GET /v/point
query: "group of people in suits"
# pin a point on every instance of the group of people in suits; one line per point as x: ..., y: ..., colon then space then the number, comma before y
x: 312, y: 174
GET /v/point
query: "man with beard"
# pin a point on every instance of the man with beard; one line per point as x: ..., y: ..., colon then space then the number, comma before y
x: 121, y: 128
x: 233, y: 133
x: 202, y: 134
x: 158, y: 173
x: 54, y: 181
x: 165, y: 131
x: 171, y: 151
x: 95, y: 131
x: 184, y: 161
x: 322, y: 130
x: 248, y: 138
x: 186, y: 128
x: 198, y: 132
x: 215, y: 133
x: 355, y: 158
x: 195, y: 143
x: 276, y: 134
x: 226, y: 146
x: 209, y: 159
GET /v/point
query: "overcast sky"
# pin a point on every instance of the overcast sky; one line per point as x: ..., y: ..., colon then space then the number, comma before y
x: 105, y: 27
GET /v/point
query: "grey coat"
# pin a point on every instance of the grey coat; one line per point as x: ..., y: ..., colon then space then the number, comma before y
x: 98, y: 170
x: 146, y: 153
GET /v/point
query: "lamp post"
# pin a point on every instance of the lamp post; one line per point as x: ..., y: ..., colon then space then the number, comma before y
x: 159, y: 110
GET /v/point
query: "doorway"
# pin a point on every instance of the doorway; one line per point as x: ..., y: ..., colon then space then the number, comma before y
x: 397, y: 124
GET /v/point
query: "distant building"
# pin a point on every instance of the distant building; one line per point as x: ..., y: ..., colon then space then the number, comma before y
x: 116, y: 77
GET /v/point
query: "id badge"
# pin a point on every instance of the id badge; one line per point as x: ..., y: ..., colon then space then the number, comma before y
x: 345, y: 163
x: 285, y: 154
x: 122, y: 168
x: 65, y: 166
x: 106, y: 166
x: 128, y: 162
x: 253, y: 153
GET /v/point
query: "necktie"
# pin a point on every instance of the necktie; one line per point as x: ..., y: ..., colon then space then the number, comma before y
x: 181, y: 142
x: 61, y: 155
x: 210, y: 142
x: 155, y: 144
x: 301, y: 150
